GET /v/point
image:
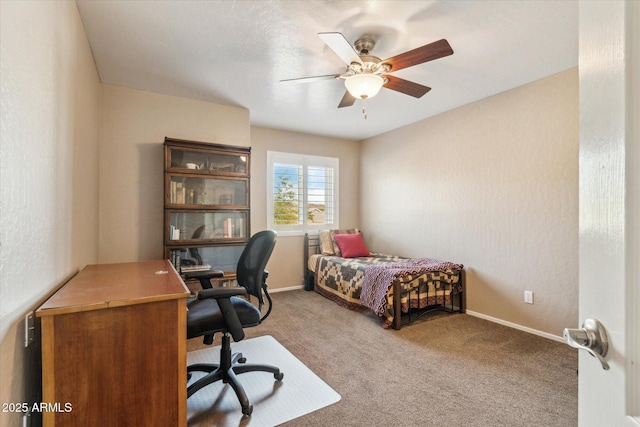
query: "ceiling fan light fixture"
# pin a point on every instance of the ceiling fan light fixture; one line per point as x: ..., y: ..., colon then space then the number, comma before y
x: 364, y: 86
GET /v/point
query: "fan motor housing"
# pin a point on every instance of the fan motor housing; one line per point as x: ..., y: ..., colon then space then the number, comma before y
x: 365, y: 44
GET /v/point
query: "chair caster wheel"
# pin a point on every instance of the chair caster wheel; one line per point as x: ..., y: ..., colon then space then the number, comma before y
x: 247, y: 410
x: 279, y: 376
x: 242, y: 360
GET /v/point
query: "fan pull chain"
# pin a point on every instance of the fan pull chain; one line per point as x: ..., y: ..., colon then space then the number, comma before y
x: 364, y: 107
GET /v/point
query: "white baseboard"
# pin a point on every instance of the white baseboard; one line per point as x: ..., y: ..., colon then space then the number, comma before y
x: 290, y: 288
x: 515, y: 326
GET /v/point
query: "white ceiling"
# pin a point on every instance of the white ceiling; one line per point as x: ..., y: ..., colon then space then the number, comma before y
x: 235, y: 53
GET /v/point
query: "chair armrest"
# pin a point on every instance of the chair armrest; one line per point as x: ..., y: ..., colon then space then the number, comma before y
x: 223, y: 297
x: 209, y: 274
x: 234, y: 326
x: 218, y: 293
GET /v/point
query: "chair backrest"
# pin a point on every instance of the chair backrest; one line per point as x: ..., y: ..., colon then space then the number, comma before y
x: 253, y: 261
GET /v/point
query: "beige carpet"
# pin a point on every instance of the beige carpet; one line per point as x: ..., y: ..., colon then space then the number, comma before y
x: 300, y: 392
x: 454, y: 370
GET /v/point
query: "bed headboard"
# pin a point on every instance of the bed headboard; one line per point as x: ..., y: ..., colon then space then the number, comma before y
x: 311, y: 247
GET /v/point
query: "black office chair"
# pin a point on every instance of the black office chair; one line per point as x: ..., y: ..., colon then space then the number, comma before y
x: 221, y: 310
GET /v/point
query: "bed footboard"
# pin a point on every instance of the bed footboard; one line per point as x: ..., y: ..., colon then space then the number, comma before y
x: 454, y: 301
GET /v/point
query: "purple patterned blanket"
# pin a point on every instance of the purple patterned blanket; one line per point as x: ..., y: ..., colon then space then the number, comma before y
x: 379, y: 278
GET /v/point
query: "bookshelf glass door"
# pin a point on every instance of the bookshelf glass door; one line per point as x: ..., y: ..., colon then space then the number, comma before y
x: 223, y: 258
x: 206, y: 191
x: 208, y: 161
x: 199, y: 227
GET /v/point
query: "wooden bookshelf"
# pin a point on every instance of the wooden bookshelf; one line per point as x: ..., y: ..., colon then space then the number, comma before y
x: 206, y: 204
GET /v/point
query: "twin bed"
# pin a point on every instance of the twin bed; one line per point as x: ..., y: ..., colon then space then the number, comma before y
x: 360, y: 282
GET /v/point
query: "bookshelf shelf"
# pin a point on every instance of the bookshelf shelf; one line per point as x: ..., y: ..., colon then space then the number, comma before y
x: 206, y: 205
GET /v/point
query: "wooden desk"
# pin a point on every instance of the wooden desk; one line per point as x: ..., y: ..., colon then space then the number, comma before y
x: 114, y: 347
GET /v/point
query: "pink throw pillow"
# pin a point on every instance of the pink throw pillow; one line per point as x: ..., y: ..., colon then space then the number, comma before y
x: 351, y: 245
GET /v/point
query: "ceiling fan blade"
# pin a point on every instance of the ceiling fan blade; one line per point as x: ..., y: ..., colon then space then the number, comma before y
x: 405, y: 86
x: 419, y: 55
x: 347, y: 100
x: 311, y: 79
x: 341, y: 47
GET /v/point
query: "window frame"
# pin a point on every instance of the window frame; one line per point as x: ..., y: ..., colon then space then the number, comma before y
x: 304, y: 160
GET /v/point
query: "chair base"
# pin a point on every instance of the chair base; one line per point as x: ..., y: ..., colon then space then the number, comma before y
x: 226, y: 371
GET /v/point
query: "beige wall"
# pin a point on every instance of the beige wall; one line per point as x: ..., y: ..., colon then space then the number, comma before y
x: 48, y: 174
x: 132, y: 129
x: 133, y: 126
x: 492, y: 185
x: 285, y: 266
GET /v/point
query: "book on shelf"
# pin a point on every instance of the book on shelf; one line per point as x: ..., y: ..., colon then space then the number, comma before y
x: 201, y: 267
x: 177, y: 193
x: 240, y: 227
x: 174, y: 257
x: 174, y: 233
x: 233, y: 227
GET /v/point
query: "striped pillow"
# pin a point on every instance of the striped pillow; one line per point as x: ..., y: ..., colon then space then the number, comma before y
x: 326, y: 243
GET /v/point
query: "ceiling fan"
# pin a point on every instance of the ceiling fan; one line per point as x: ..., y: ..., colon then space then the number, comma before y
x: 367, y: 74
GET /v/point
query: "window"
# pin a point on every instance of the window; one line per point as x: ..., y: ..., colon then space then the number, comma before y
x: 302, y: 192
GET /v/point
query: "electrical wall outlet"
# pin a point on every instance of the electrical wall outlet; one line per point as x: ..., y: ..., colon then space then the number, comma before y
x: 29, y: 329
x: 528, y: 297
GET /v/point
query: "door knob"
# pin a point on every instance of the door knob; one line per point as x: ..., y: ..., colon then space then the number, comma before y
x: 592, y: 337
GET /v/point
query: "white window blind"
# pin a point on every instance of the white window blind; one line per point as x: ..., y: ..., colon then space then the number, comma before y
x: 302, y: 192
